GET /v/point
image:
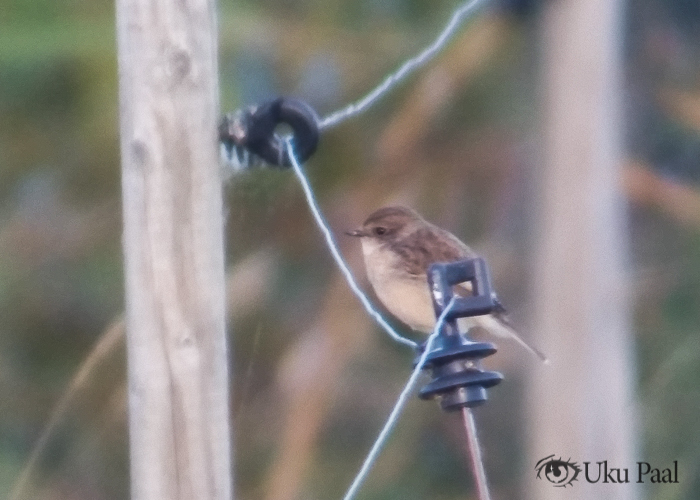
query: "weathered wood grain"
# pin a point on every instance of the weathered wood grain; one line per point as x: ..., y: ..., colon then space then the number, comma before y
x: 173, y: 247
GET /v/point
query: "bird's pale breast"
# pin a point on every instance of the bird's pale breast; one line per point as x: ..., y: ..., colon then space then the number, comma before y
x: 406, y: 296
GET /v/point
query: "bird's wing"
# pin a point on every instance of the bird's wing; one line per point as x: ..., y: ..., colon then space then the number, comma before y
x: 427, y: 246
x: 432, y: 244
x: 496, y: 326
x: 498, y: 323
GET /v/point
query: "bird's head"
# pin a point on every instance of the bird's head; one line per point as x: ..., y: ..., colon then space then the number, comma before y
x: 388, y: 223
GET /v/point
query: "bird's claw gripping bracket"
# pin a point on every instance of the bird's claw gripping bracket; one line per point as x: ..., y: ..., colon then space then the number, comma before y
x: 454, y: 359
x: 252, y: 130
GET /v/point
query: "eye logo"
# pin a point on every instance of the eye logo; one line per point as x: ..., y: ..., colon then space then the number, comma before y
x: 561, y: 473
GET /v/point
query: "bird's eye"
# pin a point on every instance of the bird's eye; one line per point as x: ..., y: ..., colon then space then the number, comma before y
x: 379, y: 231
x: 560, y: 473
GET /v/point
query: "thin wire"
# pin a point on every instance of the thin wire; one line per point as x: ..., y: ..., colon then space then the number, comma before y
x: 335, y: 251
x: 407, y: 68
x: 482, y: 485
x: 403, y: 397
x: 398, y: 407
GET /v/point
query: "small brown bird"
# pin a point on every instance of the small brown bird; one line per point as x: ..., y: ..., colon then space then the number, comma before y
x: 398, y: 246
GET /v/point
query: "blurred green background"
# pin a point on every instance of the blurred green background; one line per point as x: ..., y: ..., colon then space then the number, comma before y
x: 298, y: 434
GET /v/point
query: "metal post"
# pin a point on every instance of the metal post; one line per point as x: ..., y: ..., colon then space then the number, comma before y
x: 482, y: 485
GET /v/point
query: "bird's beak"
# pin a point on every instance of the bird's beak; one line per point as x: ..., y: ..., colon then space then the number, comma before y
x: 357, y: 233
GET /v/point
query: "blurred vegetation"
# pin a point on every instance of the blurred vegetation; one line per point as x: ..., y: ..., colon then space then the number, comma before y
x: 465, y: 155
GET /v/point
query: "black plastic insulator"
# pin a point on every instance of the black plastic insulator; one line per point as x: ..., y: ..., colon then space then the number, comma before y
x: 444, y: 277
x: 458, y: 378
x: 261, y: 139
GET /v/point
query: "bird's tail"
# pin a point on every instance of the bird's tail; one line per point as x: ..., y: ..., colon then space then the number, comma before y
x: 501, y: 328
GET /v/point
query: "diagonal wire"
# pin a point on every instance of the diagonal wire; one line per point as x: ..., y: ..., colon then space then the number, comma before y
x: 398, y: 407
x: 335, y: 251
x: 460, y: 14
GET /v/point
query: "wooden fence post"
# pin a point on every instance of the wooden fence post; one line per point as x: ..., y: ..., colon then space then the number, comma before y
x: 173, y: 248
